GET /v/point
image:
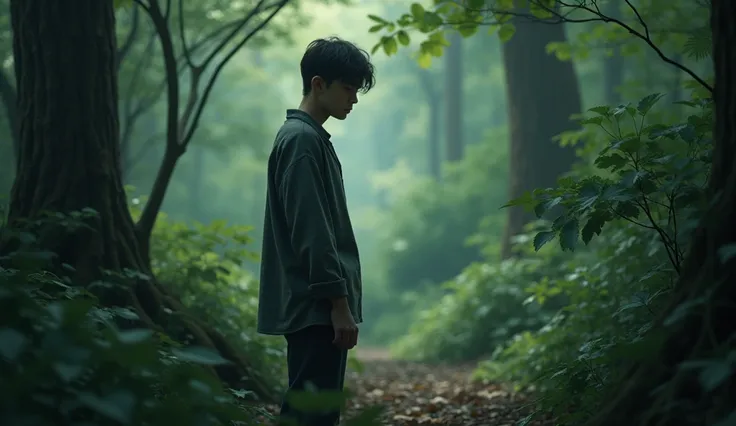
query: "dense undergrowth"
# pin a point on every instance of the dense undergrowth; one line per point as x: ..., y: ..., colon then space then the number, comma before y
x: 65, y: 360
x: 566, y: 322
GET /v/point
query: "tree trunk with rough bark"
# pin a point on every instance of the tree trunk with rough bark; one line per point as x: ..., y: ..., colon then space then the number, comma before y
x: 707, y: 332
x: 542, y: 93
x: 69, y: 160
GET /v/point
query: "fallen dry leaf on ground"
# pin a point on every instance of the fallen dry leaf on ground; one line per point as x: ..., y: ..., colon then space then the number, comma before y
x: 416, y: 394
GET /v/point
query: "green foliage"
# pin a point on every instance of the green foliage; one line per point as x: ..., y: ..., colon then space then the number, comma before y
x: 621, y: 28
x: 647, y: 171
x: 64, y: 361
x: 203, y: 266
x: 641, y: 207
x: 566, y: 323
x: 456, y: 328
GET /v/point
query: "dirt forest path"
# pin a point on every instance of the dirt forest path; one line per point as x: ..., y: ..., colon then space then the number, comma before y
x: 420, y: 394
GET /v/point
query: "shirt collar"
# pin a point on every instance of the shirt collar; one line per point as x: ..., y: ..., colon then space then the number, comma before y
x: 303, y: 116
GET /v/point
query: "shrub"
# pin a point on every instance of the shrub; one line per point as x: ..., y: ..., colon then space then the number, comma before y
x: 647, y: 195
x: 64, y: 361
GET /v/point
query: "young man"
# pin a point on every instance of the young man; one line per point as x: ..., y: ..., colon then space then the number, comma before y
x: 310, y: 271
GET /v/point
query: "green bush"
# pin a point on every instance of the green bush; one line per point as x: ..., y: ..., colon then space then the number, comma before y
x: 64, y: 361
x: 484, y: 307
x: 203, y: 266
x: 643, y: 204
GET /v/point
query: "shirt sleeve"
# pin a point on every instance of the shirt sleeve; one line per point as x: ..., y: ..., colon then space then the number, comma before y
x: 312, y: 234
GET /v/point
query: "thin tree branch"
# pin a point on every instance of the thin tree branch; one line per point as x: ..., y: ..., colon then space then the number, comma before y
x: 274, y: 9
x: 176, y: 140
x: 129, y: 40
x: 558, y: 17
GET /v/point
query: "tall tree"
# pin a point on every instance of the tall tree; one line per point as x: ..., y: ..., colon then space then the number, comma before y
x: 69, y: 160
x: 434, y: 101
x: 659, y: 390
x: 539, y: 107
x: 454, y: 144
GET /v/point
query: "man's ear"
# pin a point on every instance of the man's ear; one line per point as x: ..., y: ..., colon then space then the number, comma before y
x: 318, y: 84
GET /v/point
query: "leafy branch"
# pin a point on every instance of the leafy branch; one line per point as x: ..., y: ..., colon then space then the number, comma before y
x: 467, y: 16
x: 638, y: 175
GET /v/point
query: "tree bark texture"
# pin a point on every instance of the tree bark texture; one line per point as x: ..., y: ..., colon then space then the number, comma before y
x: 69, y: 160
x: 707, y: 332
x: 542, y: 94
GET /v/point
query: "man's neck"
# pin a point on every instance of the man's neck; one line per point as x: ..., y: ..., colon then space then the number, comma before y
x: 315, y: 112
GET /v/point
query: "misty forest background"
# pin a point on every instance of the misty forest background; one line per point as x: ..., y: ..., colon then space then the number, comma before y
x: 459, y: 123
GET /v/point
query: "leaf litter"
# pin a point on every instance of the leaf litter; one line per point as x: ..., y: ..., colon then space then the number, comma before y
x: 417, y: 394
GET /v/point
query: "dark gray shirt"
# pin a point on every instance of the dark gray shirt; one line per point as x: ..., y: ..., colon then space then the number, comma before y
x: 309, y: 252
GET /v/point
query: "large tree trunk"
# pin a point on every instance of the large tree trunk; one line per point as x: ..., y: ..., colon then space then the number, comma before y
x: 542, y: 94
x: 69, y: 160
x: 708, y: 331
x: 434, y: 103
x: 454, y: 144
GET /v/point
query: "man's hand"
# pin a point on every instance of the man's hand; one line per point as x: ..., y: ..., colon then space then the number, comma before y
x: 346, y: 331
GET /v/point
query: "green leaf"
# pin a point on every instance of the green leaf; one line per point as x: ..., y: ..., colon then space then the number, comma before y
x: 403, y: 37
x: 199, y: 355
x: 592, y: 120
x: 377, y: 19
x: 417, y: 11
x: 467, y: 30
x: 424, y: 60
x: 431, y: 21
x: 375, y: 48
x: 613, y: 161
x: 726, y: 253
x: 117, y: 406
x: 506, y: 31
x: 376, y: 28
x: 603, y: 110
x: 648, y: 102
x: 526, y: 200
x: 715, y: 374
x: 543, y: 238
x: 569, y: 235
x: 132, y: 337
x: 389, y: 45
x: 541, y: 208
x: 594, y: 225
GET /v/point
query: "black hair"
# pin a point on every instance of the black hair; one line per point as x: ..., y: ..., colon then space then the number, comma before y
x: 335, y: 59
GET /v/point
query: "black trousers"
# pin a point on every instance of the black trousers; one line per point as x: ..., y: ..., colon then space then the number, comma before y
x: 312, y: 358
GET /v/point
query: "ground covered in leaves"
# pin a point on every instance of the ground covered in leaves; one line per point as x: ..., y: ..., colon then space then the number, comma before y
x: 421, y: 394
